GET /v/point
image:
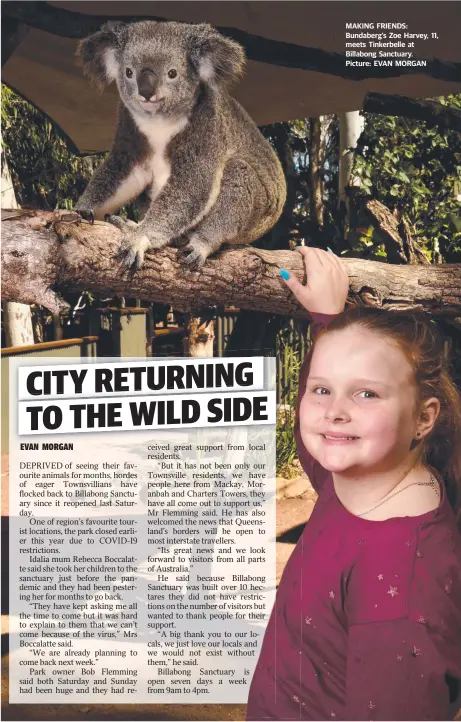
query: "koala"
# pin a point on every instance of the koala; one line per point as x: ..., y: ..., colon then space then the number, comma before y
x: 208, y: 174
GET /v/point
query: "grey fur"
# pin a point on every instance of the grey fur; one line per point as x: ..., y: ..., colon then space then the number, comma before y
x: 210, y: 175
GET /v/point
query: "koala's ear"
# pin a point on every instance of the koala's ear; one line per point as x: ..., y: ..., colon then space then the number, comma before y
x: 216, y: 59
x: 97, y: 53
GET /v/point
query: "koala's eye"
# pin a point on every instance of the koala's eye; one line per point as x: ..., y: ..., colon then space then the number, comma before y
x: 172, y: 73
x: 129, y: 73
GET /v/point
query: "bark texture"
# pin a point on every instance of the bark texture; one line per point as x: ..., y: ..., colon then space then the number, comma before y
x: 400, y: 246
x: 77, y: 256
x: 316, y: 165
x: 17, y: 317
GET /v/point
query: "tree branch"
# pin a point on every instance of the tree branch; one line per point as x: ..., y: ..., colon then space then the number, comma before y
x: 38, y: 263
x: 434, y: 114
x: 397, y: 239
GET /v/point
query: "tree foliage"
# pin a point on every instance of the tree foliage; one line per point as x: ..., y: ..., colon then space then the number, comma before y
x: 409, y: 167
x: 415, y: 170
x: 45, y: 171
x: 292, y: 142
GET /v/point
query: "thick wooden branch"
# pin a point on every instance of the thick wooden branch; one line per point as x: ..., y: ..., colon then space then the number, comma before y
x: 434, y: 114
x: 38, y: 263
x: 399, y: 244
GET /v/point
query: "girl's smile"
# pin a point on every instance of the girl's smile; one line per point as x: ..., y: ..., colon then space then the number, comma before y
x: 338, y: 438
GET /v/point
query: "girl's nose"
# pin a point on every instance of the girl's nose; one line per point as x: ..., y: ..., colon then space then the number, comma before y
x: 337, y: 411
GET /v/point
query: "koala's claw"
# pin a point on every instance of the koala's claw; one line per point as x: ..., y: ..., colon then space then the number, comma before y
x: 130, y: 259
x: 132, y: 251
x: 87, y: 215
x: 192, y: 257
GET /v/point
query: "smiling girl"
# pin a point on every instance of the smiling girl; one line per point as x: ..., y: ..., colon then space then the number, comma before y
x: 367, y: 619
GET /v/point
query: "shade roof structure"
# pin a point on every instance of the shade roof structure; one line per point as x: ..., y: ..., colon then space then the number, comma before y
x: 296, y: 56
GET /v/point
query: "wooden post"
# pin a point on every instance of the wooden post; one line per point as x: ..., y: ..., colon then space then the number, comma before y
x: 123, y: 332
x: 350, y: 128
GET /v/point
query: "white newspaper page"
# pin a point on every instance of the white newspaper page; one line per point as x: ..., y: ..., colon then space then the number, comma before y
x: 142, y: 530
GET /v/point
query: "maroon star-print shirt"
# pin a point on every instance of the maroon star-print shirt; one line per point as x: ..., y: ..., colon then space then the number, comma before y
x: 367, y: 619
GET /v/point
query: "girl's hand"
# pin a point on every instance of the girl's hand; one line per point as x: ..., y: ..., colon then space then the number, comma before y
x: 327, y: 283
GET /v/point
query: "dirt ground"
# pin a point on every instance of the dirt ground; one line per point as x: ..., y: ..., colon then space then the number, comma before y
x: 295, y: 501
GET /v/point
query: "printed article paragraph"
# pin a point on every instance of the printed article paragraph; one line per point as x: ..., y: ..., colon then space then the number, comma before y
x: 142, y: 563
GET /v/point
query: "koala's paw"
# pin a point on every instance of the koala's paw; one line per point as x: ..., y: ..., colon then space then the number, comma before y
x: 180, y: 242
x: 87, y: 214
x: 121, y: 223
x: 132, y: 251
x: 194, y: 254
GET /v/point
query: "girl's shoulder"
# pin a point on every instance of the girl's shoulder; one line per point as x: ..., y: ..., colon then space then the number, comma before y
x: 403, y: 570
x: 413, y: 501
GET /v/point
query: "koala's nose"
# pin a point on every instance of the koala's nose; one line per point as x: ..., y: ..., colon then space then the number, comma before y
x: 146, y: 84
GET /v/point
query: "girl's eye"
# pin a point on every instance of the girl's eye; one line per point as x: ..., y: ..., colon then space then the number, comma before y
x: 172, y: 73
x: 129, y: 73
x: 368, y: 394
x: 320, y: 391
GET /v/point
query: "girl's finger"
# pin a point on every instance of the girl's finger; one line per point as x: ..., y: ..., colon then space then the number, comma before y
x: 303, y: 250
x: 294, y: 285
x: 310, y: 259
x: 318, y: 255
x: 339, y: 263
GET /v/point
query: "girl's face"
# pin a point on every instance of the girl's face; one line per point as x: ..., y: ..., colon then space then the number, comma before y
x: 358, y: 412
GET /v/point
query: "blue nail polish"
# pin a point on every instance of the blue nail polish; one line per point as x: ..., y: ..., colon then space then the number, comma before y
x: 329, y: 249
x: 285, y: 275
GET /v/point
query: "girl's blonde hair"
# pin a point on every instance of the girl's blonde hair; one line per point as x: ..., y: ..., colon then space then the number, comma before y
x: 421, y: 342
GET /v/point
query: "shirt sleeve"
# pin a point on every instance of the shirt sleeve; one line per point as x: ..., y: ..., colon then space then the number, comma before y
x: 396, y: 670
x: 316, y: 473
